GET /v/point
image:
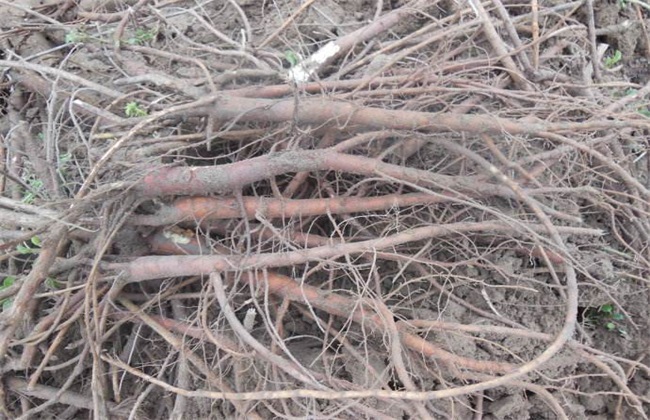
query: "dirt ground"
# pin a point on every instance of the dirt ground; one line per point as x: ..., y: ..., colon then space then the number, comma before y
x: 324, y: 209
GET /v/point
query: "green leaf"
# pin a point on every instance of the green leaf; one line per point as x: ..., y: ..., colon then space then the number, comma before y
x: 36, y: 184
x: 36, y: 241
x: 614, y: 59
x: 610, y: 326
x: 71, y: 37
x: 142, y: 36
x: 29, y: 198
x: 133, y: 109
x: 75, y: 36
x: 6, y: 304
x: 24, y: 249
x: 618, y: 316
x: 645, y: 112
x: 52, y: 283
x: 291, y: 57
x: 65, y: 158
x: 7, y: 282
x: 607, y: 308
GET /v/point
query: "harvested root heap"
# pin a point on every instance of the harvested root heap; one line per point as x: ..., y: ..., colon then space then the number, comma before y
x: 349, y: 209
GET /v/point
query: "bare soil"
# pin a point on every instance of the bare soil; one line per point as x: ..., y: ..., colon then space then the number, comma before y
x: 448, y: 218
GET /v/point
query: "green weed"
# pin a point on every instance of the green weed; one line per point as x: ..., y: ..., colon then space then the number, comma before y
x: 76, y: 36
x: 291, y: 57
x: 35, y: 187
x: 7, y: 283
x: 613, y: 59
x: 33, y: 247
x: 142, y: 36
x: 134, y: 109
x: 607, y: 317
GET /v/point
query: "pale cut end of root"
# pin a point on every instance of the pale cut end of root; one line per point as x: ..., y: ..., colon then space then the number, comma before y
x: 301, y: 72
x: 249, y: 319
